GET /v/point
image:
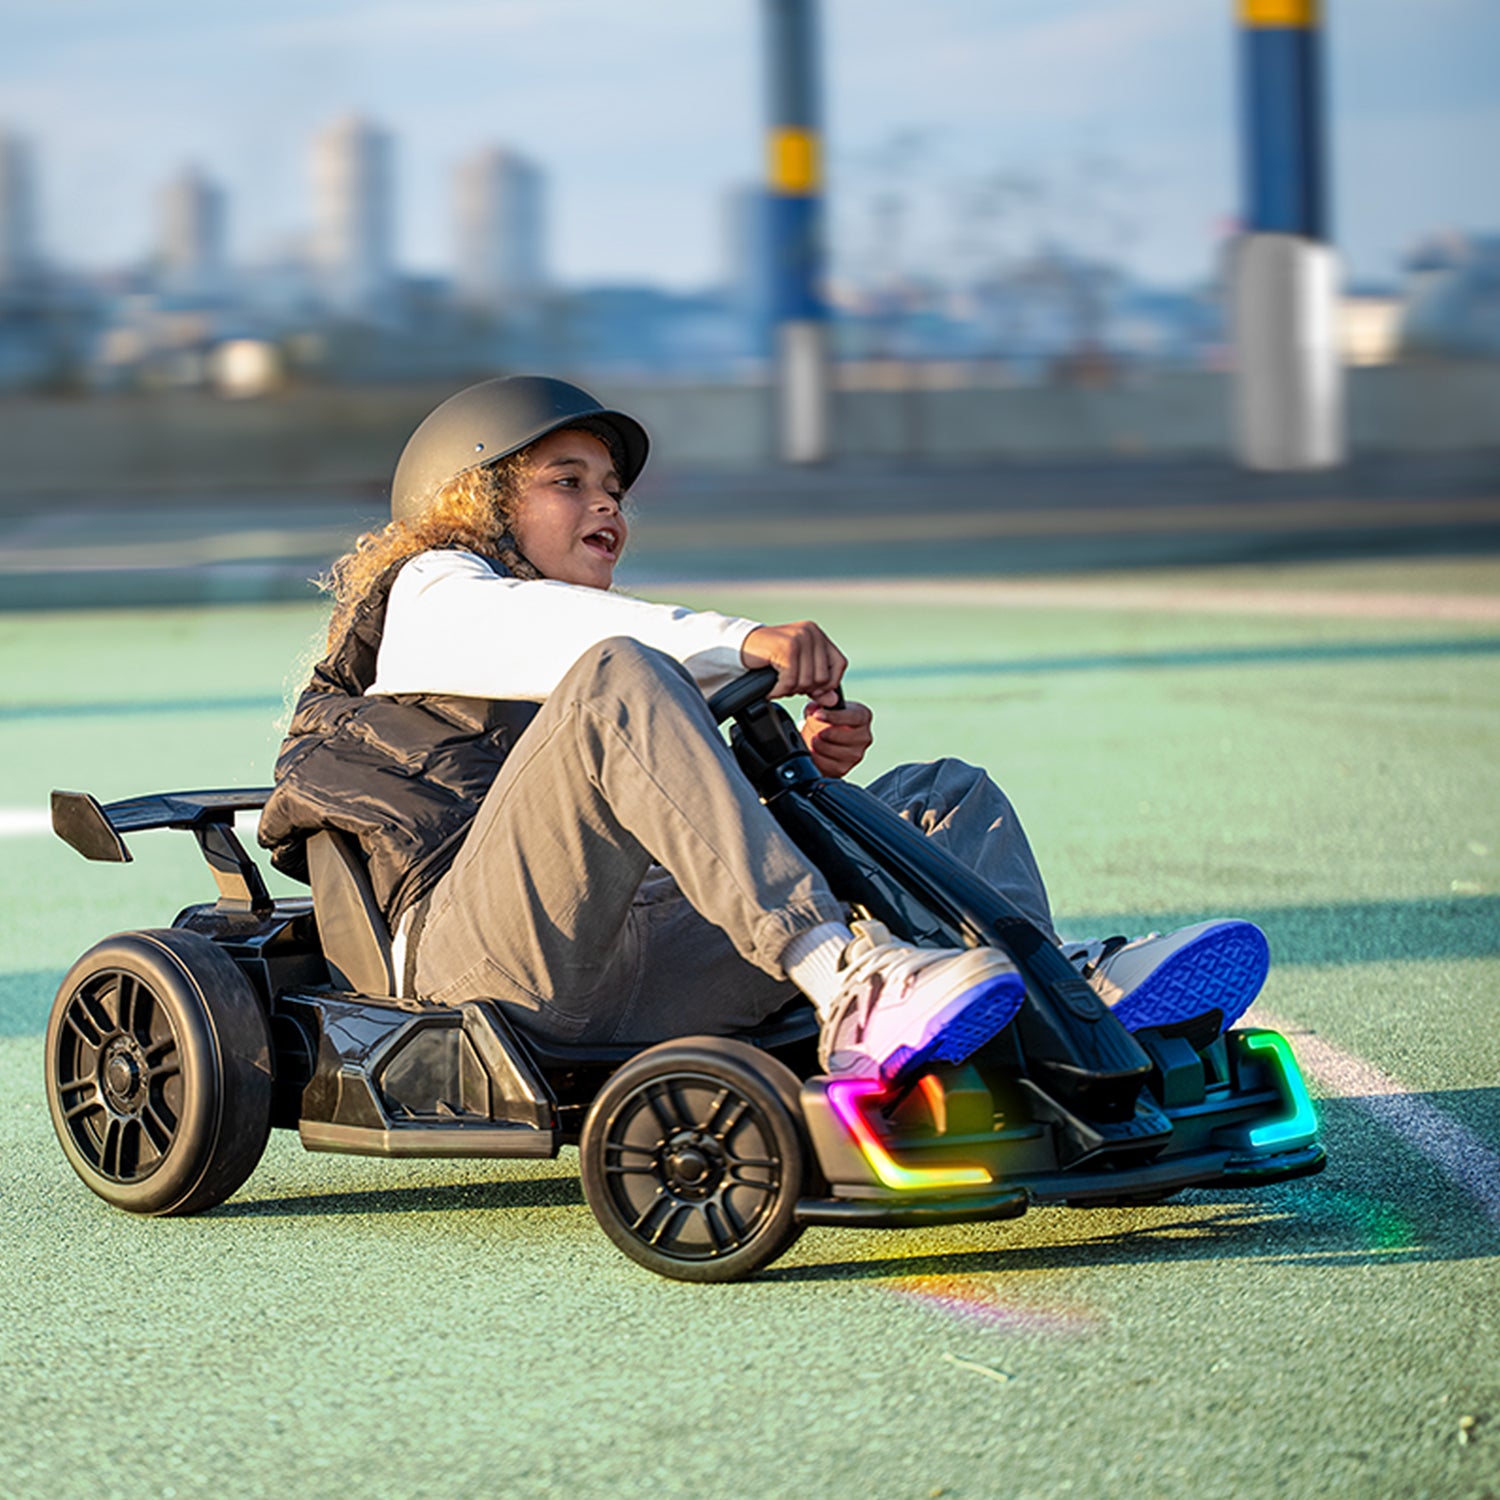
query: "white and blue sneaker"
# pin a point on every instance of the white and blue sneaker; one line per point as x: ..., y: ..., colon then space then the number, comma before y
x: 899, y: 1008
x: 1212, y: 972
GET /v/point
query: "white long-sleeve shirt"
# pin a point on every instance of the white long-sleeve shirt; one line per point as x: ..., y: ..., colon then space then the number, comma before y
x: 453, y: 625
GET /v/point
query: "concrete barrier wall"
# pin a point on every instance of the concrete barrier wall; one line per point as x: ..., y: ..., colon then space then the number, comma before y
x: 700, y: 426
x: 197, y: 441
x: 1425, y: 409
x: 351, y: 437
x: 1167, y: 415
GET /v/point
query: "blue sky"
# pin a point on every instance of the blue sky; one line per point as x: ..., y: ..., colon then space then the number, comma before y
x: 1121, y: 114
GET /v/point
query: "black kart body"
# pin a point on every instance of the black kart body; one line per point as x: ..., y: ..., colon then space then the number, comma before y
x: 172, y: 1052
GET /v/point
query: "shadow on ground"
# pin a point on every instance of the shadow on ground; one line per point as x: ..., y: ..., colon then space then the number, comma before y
x: 1369, y: 1207
x: 453, y: 1197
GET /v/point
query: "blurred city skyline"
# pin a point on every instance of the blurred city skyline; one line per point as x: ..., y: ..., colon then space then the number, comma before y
x: 1108, y: 125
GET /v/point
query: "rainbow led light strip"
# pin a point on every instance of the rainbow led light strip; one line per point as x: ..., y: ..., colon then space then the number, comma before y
x: 1303, y: 1120
x: 844, y: 1095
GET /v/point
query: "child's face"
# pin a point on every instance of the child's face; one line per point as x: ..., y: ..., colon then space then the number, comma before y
x: 568, y: 520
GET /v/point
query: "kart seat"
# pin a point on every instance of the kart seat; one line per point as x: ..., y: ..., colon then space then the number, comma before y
x: 351, y: 926
x: 357, y: 947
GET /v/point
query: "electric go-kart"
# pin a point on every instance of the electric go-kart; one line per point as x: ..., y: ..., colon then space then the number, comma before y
x: 172, y: 1052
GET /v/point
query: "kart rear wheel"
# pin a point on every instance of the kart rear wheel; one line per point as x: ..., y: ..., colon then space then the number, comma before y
x: 693, y: 1159
x: 159, y: 1072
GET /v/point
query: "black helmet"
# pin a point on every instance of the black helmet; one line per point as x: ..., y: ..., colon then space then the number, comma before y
x: 496, y: 418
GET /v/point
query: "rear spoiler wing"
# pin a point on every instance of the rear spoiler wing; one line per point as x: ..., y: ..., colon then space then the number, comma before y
x: 96, y: 831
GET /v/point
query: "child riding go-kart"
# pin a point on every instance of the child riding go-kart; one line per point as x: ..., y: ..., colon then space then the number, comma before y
x: 172, y: 1052
x: 533, y: 858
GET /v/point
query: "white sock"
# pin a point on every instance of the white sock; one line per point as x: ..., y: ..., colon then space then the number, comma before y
x: 811, y: 961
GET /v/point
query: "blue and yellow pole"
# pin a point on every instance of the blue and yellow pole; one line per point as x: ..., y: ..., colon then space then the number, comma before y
x: 1284, y: 275
x: 794, y: 233
x: 1283, y: 102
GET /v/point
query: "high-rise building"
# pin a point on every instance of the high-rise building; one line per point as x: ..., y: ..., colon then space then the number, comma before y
x: 191, y: 250
x: 499, y: 203
x: 20, y: 258
x: 353, y: 216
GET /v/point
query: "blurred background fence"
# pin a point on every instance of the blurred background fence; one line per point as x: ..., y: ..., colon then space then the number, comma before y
x: 1024, y: 217
x: 350, y: 436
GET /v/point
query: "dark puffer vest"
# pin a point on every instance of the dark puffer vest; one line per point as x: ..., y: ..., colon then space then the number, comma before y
x: 403, y: 774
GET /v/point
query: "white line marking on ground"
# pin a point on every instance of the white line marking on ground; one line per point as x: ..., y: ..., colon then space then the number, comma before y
x: 21, y: 822
x: 1106, y: 593
x: 1456, y: 1151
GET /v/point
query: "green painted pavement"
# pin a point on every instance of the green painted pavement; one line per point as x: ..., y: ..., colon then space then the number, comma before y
x: 465, y: 1329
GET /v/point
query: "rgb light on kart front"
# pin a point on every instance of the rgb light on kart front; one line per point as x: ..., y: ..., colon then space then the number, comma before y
x: 845, y: 1096
x: 1302, y: 1123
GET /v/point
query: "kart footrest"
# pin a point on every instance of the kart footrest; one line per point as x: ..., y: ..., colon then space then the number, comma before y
x: 1249, y: 1171
x: 1145, y: 1133
x: 1113, y: 1185
x: 893, y: 1213
x: 458, y: 1139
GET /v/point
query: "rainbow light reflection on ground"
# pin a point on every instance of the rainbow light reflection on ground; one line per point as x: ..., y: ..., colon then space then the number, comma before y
x: 844, y: 1095
x: 981, y: 1300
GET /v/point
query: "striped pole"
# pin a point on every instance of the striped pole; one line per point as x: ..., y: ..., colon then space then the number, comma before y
x: 1283, y: 275
x: 794, y: 211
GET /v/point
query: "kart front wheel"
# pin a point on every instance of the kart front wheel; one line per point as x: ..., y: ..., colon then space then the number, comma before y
x: 693, y: 1159
x: 159, y: 1072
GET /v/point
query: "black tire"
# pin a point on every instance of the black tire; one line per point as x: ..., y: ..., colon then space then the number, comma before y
x: 693, y: 1159
x: 159, y: 1072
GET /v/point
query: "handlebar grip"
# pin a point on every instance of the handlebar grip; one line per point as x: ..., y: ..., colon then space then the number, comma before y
x: 735, y: 697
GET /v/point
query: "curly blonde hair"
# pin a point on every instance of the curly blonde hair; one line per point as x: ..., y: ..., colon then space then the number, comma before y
x: 474, y: 510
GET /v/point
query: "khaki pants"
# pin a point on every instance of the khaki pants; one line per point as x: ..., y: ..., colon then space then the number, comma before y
x: 623, y: 883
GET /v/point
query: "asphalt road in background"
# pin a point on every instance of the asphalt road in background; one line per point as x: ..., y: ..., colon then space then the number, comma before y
x: 845, y: 521
x: 1309, y: 742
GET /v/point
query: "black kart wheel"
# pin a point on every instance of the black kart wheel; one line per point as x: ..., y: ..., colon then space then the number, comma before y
x: 693, y: 1159
x: 159, y: 1072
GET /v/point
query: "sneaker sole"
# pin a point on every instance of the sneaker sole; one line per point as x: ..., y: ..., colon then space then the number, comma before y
x: 987, y: 1010
x: 1223, y: 970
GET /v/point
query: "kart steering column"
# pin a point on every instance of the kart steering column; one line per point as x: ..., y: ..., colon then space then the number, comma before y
x: 1071, y: 1040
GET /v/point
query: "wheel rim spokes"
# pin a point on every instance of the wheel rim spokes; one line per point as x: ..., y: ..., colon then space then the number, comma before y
x: 89, y: 1020
x: 127, y: 1006
x: 666, y: 1106
x: 689, y: 1170
x: 162, y: 1061
x: 727, y: 1112
x: 119, y: 1075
